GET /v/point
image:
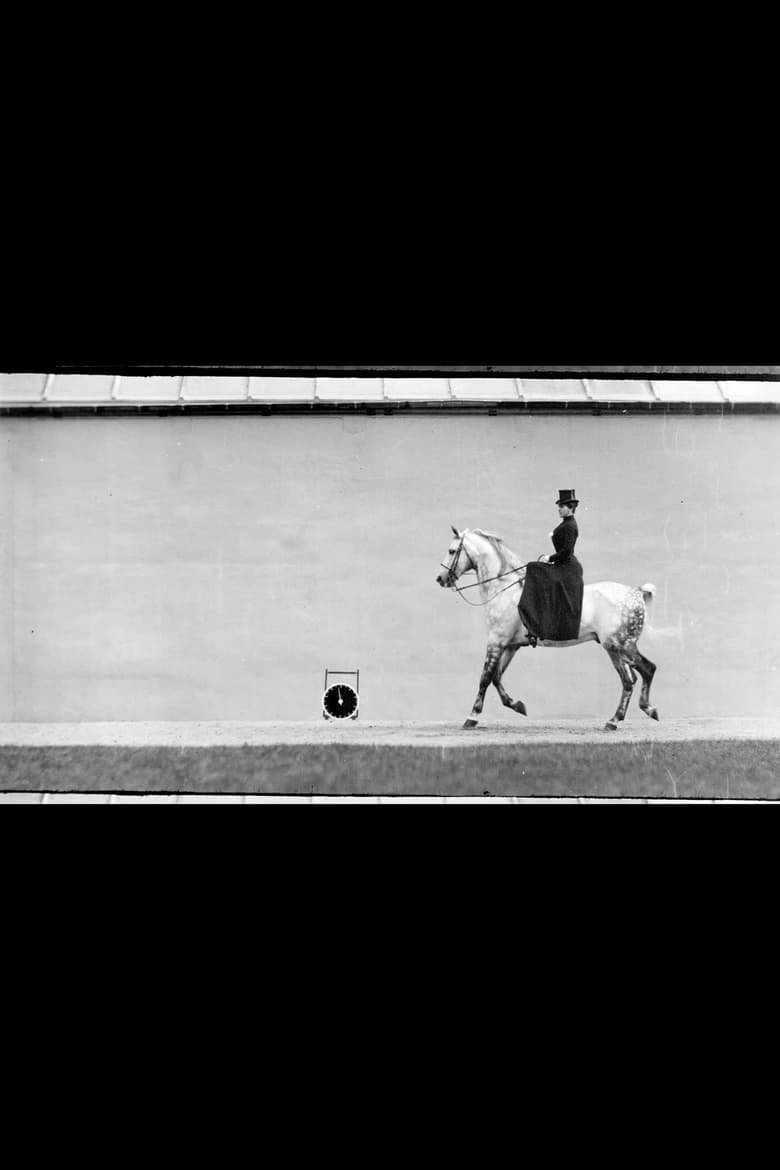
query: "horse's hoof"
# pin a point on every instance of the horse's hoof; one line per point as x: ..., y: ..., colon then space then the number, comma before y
x: 467, y: 726
x: 653, y: 713
x: 519, y: 706
x: 610, y: 726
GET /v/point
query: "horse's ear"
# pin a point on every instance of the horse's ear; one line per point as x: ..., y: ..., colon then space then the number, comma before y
x: 454, y: 529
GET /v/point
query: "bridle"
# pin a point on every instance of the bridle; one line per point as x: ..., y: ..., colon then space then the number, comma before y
x: 451, y: 578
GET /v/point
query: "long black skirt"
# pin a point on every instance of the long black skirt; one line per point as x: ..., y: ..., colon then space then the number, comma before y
x: 551, y: 601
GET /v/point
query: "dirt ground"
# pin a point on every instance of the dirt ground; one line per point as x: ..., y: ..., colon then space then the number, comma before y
x: 517, y: 731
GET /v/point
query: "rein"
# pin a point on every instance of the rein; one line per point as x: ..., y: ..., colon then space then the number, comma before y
x: 479, y: 604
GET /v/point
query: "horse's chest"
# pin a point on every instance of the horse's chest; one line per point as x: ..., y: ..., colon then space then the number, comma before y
x: 501, y: 616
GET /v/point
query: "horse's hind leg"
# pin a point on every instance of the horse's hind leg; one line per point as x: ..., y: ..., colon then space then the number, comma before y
x: 646, y: 669
x: 488, y: 672
x: 627, y: 679
x: 516, y: 704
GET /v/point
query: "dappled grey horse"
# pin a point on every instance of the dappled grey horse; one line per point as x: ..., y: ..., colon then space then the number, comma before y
x: 612, y: 614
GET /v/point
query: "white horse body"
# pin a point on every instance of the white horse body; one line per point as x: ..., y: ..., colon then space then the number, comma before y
x: 612, y: 614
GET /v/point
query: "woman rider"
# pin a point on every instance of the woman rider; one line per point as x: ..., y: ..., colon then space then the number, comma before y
x: 551, y: 601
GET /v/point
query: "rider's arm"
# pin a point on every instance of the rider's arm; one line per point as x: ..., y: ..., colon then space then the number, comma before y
x: 568, y: 538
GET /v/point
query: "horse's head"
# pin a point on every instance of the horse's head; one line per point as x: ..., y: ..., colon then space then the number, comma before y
x: 458, y: 560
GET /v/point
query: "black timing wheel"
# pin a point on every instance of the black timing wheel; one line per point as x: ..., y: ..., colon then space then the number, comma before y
x: 340, y: 701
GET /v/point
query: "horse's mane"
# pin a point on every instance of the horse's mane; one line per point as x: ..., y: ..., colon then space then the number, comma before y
x: 497, y: 541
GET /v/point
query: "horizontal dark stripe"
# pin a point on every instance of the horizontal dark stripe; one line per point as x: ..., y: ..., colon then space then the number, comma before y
x: 448, y: 407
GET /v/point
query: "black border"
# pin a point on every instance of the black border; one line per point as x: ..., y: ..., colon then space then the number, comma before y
x: 734, y: 372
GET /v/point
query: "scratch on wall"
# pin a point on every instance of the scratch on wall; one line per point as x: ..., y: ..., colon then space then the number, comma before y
x: 676, y: 632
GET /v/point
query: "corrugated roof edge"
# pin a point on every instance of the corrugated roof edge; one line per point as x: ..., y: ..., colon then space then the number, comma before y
x: 35, y: 392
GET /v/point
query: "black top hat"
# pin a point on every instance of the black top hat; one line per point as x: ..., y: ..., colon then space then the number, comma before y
x: 567, y: 496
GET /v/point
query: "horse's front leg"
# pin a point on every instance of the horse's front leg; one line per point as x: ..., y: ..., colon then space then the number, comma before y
x: 507, y: 656
x: 488, y: 671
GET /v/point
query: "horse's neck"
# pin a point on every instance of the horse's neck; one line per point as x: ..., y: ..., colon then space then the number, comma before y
x: 513, y: 561
x: 490, y: 562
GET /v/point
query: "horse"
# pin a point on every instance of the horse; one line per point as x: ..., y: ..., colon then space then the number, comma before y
x: 612, y: 615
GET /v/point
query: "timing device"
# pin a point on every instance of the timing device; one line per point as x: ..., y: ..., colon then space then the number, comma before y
x: 341, y: 700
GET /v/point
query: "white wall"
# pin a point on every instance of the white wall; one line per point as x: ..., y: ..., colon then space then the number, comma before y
x: 196, y: 568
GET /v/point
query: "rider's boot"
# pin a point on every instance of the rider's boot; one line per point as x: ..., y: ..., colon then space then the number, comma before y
x: 532, y: 639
